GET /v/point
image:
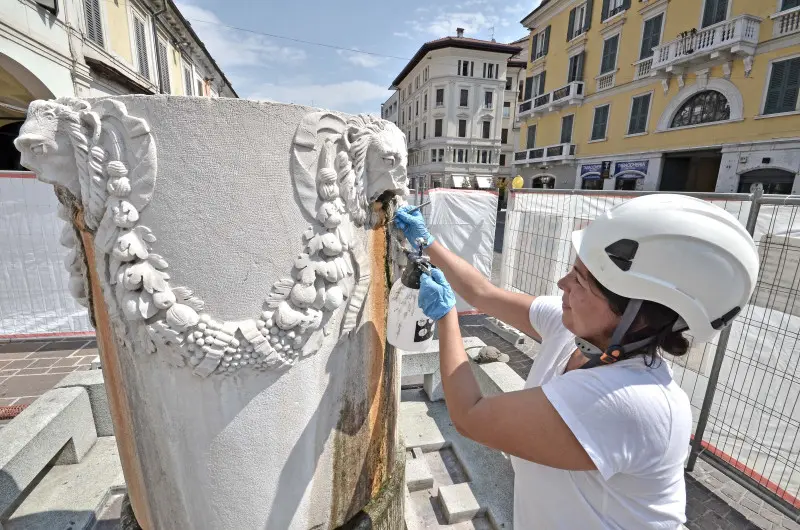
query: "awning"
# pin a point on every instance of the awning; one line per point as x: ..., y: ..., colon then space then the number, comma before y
x: 484, y: 183
x: 458, y: 180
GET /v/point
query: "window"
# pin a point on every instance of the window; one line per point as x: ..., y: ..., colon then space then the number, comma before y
x: 424, y: 130
x: 503, y: 159
x: 416, y: 82
x: 425, y: 102
x: 503, y: 136
x: 439, y: 97
x: 575, y: 69
x: 463, y: 100
x: 94, y: 28
x: 462, y: 128
x: 466, y: 68
x: 187, y: 79
x: 506, y: 109
x: 706, y: 107
x: 437, y: 128
x: 402, y: 117
x: 521, y: 91
x: 163, y: 70
x: 530, y: 141
x: 416, y: 133
x: 200, y: 91
x: 459, y: 155
x: 140, y: 41
x: 609, y: 60
x: 510, y: 80
x: 789, y: 4
x: 487, y: 130
x: 433, y: 155
x: 651, y: 36
x: 612, y: 7
x: 566, y: 128
x: 784, y: 85
x: 538, y: 84
x: 640, y: 108
x: 577, y: 22
x: 487, y: 99
x: 541, y: 44
x: 714, y: 11
x: 416, y: 112
x: 484, y: 157
x: 600, y: 122
x: 491, y: 71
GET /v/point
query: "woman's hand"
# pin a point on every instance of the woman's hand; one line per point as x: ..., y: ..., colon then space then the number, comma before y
x: 413, y: 226
x: 436, y: 297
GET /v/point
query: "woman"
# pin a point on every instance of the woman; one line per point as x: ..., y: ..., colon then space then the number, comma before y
x: 600, y: 433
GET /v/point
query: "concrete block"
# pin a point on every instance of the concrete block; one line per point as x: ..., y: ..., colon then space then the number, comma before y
x: 93, y: 382
x: 458, y: 503
x: 70, y: 496
x: 95, y: 364
x: 497, y: 378
x: 59, y: 423
x: 418, y: 474
x: 426, y: 363
x: 417, y: 427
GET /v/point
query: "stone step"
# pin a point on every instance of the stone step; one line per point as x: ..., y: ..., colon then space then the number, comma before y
x: 418, y: 428
x: 70, y: 496
x: 418, y: 473
x: 459, y: 503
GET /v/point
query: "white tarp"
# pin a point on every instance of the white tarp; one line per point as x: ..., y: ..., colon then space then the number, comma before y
x: 755, y: 417
x: 464, y: 222
x: 34, y: 293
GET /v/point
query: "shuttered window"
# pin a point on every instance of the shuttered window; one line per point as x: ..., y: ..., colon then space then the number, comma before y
x: 600, y: 122
x: 575, y: 70
x: 609, y: 61
x: 94, y: 28
x: 541, y: 44
x: 528, y: 88
x: 715, y: 11
x: 577, y: 22
x: 651, y: 36
x: 437, y: 128
x: 187, y: 82
x: 566, y: 128
x: 462, y: 128
x: 163, y: 68
x: 530, y: 142
x: 612, y: 7
x: 640, y: 107
x: 487, y: 129
x: 784, y: 85
x: 140, y: 40
x: 463, y: 100
x: 789, y: 4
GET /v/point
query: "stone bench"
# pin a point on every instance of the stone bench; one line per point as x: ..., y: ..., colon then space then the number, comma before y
x: 426, y: 364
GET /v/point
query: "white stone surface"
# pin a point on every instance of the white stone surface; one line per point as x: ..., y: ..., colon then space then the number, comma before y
x: 58, y: 423
x: 458, y: 503
x: 250, y: 449
x: 496, y: 378
x: 417, y: 427
x: 70, y: 496
x: 92, y: 381
x: 426, y: 363
x: 418, y: 474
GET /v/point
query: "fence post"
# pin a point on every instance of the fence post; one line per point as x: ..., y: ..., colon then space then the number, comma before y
x: 719, y: 356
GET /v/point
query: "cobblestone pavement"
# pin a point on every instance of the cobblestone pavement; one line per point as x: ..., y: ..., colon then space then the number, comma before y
x: 29, y: 369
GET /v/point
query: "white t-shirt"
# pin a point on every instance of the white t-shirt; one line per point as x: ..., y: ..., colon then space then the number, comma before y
x: 634, y: 423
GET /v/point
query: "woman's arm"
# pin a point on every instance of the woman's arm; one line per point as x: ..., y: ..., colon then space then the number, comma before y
x: 479, y: 292
x: 523, y: 423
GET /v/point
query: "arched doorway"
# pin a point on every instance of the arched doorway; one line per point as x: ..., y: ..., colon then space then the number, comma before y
x: 18, y: 87
x: 543, y: 182
x: 774, y: 181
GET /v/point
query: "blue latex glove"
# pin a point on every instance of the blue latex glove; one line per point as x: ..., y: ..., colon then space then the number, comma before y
x: 436, y: 297
x: 413, y: 226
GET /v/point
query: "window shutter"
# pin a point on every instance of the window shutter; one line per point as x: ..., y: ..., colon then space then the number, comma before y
x: 533, y: 47
x: 528, y: 88
x: 626, y: 4
x: 187, y: 81
x: 542, y: 78
x: 566, y: 129
x: 600, y: 121
x: 546, y: 45
x: 647, y: 39
x: 606, y: 6
x: 722, y: 10
x: 472, y: 68
x: 792, y: 86
x: 530, y: 141
x: 163, y: 73
x: 789, y: 4
x: 609, y: 54
x: 484, y: 70
x: 94, y: 29
x: 581, y: 58
x: 715, y: 11
x: 588, y: 16
x: 571, y: 25
x: 634, y: 121
x: 784, y: 85
x: 141, y: 47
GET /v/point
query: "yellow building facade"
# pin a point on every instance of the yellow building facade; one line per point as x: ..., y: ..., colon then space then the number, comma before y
x: 677, y: 95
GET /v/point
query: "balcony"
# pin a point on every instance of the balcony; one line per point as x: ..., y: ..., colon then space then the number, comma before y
x: 786, y: 22
x: 730, y: 37
x: 551, y: 153
x: 570, y: 94
x: 606, y: 81
x: 643, y: 68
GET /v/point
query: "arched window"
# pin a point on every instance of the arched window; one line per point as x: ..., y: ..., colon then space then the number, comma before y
x: 704, y: 107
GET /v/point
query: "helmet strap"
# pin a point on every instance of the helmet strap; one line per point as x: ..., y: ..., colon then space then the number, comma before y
x: 616, y: 351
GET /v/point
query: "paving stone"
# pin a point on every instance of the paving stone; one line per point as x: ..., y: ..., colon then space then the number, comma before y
x: 18, y: 365
x: 752, y: 502
x: 66, y: 361
x: 733, y: 492
x: 458, y: 503
x: 789, y: 524
x: 21, y: 347
x: 33, y: 371
x: 418, y: 474
x: 7, y: 373
x: 772, y: 515
x: 28, y: 385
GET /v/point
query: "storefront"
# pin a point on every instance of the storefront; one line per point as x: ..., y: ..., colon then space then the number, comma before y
x: 590, y: 177
x: 630, y: 175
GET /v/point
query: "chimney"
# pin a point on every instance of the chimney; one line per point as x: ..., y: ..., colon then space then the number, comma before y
x: 460, y: 33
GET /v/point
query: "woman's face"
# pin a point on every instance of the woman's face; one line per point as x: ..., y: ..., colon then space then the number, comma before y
x: 587, y: 313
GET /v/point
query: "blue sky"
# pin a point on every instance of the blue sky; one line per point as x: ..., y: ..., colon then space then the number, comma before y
x: 268, y: 68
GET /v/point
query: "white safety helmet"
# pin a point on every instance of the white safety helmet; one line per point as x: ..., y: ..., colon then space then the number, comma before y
x: 684, y: 253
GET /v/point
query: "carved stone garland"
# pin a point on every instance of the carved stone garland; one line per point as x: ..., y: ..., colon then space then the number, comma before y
x: 116, y: 185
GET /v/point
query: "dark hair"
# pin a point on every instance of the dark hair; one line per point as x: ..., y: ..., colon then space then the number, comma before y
x: 653, y: 320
